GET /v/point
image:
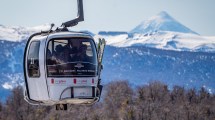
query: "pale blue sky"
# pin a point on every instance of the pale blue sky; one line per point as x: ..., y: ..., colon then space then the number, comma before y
x: 114, y: 15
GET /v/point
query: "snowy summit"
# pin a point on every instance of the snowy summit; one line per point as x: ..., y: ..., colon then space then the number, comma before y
x: 161, y: 22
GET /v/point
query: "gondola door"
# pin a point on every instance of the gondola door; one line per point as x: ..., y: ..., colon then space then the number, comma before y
x: 36, y: 85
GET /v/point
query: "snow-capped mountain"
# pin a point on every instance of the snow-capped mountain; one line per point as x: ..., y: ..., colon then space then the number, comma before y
x: 176, y: 56
x: 17, y: 33
x: 161, y: 22
x: 162, y: 32
x: 166, y: 40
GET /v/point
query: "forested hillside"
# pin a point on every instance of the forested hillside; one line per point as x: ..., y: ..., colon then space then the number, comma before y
x: 121, y: 101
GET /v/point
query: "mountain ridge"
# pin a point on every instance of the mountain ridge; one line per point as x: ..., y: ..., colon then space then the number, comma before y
x: 161, y: 22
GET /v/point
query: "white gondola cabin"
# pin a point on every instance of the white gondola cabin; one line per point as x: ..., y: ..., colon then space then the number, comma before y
x: 62, y: 67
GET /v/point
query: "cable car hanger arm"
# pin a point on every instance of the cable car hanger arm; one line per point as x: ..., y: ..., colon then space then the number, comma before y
x: 79, y: 18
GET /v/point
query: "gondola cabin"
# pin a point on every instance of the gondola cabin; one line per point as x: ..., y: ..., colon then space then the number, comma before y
x: 62, y: 68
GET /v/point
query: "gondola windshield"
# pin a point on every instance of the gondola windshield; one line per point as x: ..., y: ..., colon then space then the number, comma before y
x: 71, y: 57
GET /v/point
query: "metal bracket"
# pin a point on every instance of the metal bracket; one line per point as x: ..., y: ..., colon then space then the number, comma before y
x: 79, y: 18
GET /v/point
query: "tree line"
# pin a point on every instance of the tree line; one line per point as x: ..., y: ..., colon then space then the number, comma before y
x: 121, y: 101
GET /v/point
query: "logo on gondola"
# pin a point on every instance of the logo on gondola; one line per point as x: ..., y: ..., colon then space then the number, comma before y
x: 79, y: 65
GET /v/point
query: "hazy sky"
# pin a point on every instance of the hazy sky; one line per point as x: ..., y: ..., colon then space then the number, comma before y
x: 114, y: 15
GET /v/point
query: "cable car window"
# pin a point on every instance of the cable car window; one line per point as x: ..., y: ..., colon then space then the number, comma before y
x: 71, y: 57
x: 33, y: 60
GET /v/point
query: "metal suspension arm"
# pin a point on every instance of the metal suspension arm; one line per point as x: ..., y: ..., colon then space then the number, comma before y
x: 79, y: 18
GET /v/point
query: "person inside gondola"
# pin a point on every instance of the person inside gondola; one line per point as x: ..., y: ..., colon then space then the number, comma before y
x: 59, y: 54
x: 74, y: 50
x: 50, y: 58
x: 79, y: 52
x: 82, y: 55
